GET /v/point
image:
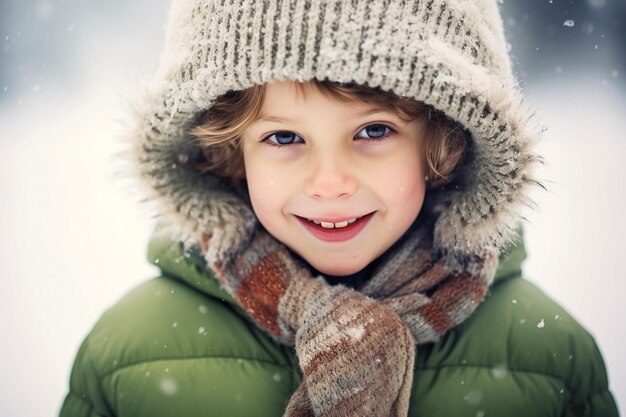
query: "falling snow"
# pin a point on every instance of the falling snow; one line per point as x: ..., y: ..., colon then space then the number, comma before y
x: 541, y: 324
x: 474, y: 397
x: 499, y: 371
x: 49, y: 10
x: 356, y: 332
x: 356, y: 390
x: 168, y: 385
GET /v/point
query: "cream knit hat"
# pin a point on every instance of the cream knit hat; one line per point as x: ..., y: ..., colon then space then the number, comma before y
x: 449, y: 54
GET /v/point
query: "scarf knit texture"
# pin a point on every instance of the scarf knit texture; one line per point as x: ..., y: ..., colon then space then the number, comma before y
x: 356, y: 349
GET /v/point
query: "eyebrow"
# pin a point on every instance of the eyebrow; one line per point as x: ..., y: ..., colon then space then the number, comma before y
x: 269, y: 118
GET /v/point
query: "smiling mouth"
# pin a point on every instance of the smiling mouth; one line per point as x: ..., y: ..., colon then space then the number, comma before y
x: 337, y: 225
x: 336, y: 231
x: 334, y: 225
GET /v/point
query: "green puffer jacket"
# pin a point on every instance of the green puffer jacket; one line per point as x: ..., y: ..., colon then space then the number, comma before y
x: 179, y: 346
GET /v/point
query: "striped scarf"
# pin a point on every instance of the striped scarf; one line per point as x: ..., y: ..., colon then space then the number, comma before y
x: 356, y: 347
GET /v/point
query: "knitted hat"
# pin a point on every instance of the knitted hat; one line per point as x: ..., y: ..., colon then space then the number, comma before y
x: 450, y: 54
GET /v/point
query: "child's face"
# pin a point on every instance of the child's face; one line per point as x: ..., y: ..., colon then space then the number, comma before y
x: 328, y: 169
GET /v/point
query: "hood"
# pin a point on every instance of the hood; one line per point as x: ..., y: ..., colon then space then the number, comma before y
x: 449, y: 54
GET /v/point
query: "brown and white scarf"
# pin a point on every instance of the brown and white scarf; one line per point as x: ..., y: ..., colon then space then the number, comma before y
x: 356, y: 348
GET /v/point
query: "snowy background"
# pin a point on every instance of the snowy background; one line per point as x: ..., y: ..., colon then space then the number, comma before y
x: 72, y: 239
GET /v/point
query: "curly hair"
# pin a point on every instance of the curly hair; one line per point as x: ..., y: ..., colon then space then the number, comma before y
x: 220, y: 130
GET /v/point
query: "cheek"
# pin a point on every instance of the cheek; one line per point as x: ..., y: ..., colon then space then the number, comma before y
x: 404, y: 184
x: 259, y: 188
x: 263, y: 182
x: 409, y: 193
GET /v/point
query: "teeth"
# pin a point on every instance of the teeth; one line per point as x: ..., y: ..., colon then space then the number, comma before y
x: 329, y: 225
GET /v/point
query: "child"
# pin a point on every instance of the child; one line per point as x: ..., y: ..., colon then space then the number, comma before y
x: 340, y: 185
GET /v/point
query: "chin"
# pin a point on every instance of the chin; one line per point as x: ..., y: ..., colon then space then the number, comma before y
x: 336, y: 270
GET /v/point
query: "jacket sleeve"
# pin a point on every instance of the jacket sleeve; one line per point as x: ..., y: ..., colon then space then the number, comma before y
x: 85, y: 397
x: 590, y: 395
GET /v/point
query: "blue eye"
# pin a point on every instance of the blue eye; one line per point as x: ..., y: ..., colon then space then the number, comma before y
x: 282, y: 138
x: 374, y: 133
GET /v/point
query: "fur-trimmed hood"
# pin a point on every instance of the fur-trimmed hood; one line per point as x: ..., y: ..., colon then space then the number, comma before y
x: 449, y: 54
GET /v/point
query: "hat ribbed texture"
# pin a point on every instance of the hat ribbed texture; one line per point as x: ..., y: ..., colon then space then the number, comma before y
x: 449, y: 54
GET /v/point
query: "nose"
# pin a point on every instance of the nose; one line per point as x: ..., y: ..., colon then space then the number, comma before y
x: 330, y: 177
